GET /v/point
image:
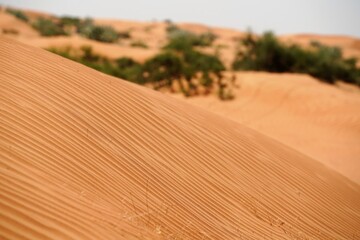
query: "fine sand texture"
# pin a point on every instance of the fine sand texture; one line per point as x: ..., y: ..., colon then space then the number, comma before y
x: 88, y: 156
x: 317, y: 119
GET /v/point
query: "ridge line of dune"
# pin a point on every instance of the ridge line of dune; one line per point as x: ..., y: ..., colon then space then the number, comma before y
x: 122, y: 161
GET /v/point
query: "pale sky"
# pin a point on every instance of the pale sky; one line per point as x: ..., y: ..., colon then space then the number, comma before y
x: 281, y: 16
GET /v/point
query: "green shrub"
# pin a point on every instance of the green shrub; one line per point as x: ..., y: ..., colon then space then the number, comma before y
x: 88, y: 29
x: 206, y: 39
x: 125, y: 62
x: 69, y: 24
x: 180, y: 39
x: 103, y: 34
x: 129, y: 70
x: 124, y: 68
x: 266, y: 53
x: 203, y: 62
x: 163, y: 69
x: 18, y: 14
x: 190, y: 69
x: 85, y: 27
x: 64, y: 52
x: 69, y: 21
x: 88, y: 55
x: 46, y: 27
x: 181, y: 62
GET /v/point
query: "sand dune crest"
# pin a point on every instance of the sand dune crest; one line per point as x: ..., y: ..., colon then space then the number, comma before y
x: 87, y: 156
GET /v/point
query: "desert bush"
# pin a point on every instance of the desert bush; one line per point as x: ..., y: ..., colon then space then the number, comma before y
x: 124, y: 68
x: 203, y: 62
x: 47, y: 27
x: 195, y: 70
x: 207, y: 39
x: 181, y: 62
x: 69, y: 21
x: 125, y: 62
x: 18, y: 14
x: 85, y: 27
x: 163, y: 69
x: 64, y: 52
x: 129, y: 69
x: 103, y: 34
x: 266, y: 53
x: 139, y: 44
x: 88, y: 29
x: 327, y: 63
x: 124, y: 34
x: 191, y: 70
x: 180, y: 39
x: 86, y: 56
x: 69, y: 24
x: 209, y: 66
x: 10, y: 31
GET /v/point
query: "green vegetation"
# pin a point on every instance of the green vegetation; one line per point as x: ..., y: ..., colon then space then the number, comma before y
x: 99, y: 33
x: 103, y: 34
x: 18, y: 14
x: 266, y: 53
x: 179, y: 66
x: 69, y: 21
x: 163, y: 69
x: 125, y: 68
x: 192, y: 71
x: 129, y: 70
x: 182, y: 65
x: 67, y: 25
x: 179, y: 37
x: 47, y: 27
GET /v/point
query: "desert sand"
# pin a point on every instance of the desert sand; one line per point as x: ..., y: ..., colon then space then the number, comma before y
x: 87, y: 156
x: 317, y: 119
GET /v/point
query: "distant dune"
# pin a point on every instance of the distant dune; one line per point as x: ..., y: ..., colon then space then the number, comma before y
x: 88, y: 156
x: 153, y: 33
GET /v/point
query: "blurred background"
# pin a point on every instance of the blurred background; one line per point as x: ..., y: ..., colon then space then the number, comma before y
x: 280, y: 16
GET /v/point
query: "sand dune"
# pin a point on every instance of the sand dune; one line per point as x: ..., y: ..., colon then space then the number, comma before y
x: 9, y: 22
x: 87, y: 156
x: 317, y: 119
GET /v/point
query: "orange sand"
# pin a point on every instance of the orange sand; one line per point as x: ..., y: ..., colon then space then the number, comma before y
x: 317, y: 119
x: 87, y: 156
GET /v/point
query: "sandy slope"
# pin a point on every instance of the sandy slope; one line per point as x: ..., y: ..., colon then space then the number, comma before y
x: 317, y: 119
x: 9, y: 22
x: 87, y: 156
